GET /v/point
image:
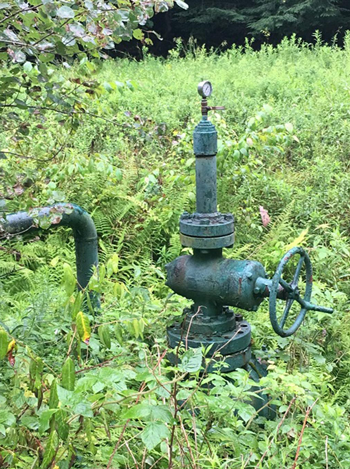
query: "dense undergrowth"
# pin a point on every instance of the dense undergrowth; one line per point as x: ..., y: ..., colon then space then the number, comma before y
x: 284, y: 145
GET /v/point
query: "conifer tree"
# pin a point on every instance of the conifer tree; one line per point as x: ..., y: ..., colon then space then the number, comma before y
x: 215, y: 21
x: 284, y: 17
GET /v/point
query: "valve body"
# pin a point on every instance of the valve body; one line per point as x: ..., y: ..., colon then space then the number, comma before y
x: 212, y: 281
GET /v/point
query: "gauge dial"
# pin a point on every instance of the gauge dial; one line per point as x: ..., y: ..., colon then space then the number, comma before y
x: 205, y: 89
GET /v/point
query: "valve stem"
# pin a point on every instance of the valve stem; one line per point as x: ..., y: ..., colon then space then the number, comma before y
x: 205, y: 108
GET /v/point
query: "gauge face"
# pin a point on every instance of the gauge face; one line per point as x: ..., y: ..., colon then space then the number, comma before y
x: 205, y: 89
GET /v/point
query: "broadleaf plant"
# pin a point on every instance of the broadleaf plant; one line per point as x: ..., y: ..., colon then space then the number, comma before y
x: 37, y: 36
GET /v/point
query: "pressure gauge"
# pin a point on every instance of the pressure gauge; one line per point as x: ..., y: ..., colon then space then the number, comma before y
x: 205, y: 89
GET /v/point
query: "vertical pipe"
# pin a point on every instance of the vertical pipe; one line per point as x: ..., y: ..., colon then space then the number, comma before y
x: 205, y: 149
x: 206, y: 198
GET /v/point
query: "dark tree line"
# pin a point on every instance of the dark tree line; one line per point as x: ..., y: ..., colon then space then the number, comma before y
x: 213, y: 22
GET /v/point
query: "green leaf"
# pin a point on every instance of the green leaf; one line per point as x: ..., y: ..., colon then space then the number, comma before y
x: 47, y: 57
x: 19, y: 56
x: 53, y: 400
x: 162, y: 413
x: 153, y: 434
x: 84, y: 409
x: 30, y: 422
x: 44, y: 420
x: 4, y: 341
x: 104, y: 335
x: 65, y: 12
x: 21, y: 104
x: 113, y: 265
x: 138, y: 34
x: 138, y: 327
x: 119, y: 334
x: 88, y: 431
x: 67, y: 398
x: 32, y: 369
x: 244, y: 410
x: 86, y: 383
x: 50, y: 450
x: 61, y: 424
x: 68, y: 279
x: 68, y: 375
x: 76, y: 306
x: 191, y: 360
x: 108, y: 88
x: 138, y: 411
x: 83, y: 327
x: 118, y: 289
x: 97, y: 387
x: 27, y: 67
x: 7, y: 418
x: 289, y: 127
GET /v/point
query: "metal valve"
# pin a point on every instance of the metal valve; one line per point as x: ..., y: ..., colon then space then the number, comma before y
x: 215, y: 283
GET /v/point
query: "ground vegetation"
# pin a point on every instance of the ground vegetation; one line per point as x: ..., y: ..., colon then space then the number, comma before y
x: 86, y: 388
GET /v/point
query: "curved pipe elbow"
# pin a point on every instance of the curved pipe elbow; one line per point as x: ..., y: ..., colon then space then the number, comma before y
x: 62, y: 214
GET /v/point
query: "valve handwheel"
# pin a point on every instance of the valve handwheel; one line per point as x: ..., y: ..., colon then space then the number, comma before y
x: 291, y: 293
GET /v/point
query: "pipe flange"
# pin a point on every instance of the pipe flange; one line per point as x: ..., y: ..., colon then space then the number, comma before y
x: 207, y: 243
x: 226, y: 343
x: 203, y: 324
x: 230, y: 363
x: 207, y: 225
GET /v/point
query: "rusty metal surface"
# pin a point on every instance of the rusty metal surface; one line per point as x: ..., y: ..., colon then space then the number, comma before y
x: 200, y: 323
x: 206, y: 225
x: 207, y: 243
x: 215, y: 281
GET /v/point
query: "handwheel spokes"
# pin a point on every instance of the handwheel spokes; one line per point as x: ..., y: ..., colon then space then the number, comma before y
x: 286, y: 312
x: 297, y: 272
x: 290, y: 287
x: 291, y: 292
x: 285, y: 285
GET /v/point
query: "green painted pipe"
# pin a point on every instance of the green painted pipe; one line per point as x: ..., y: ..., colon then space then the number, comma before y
x: 205, y: 148
x: 71, y: 215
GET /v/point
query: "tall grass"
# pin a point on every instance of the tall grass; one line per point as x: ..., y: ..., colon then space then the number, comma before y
x: 132, y: 168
